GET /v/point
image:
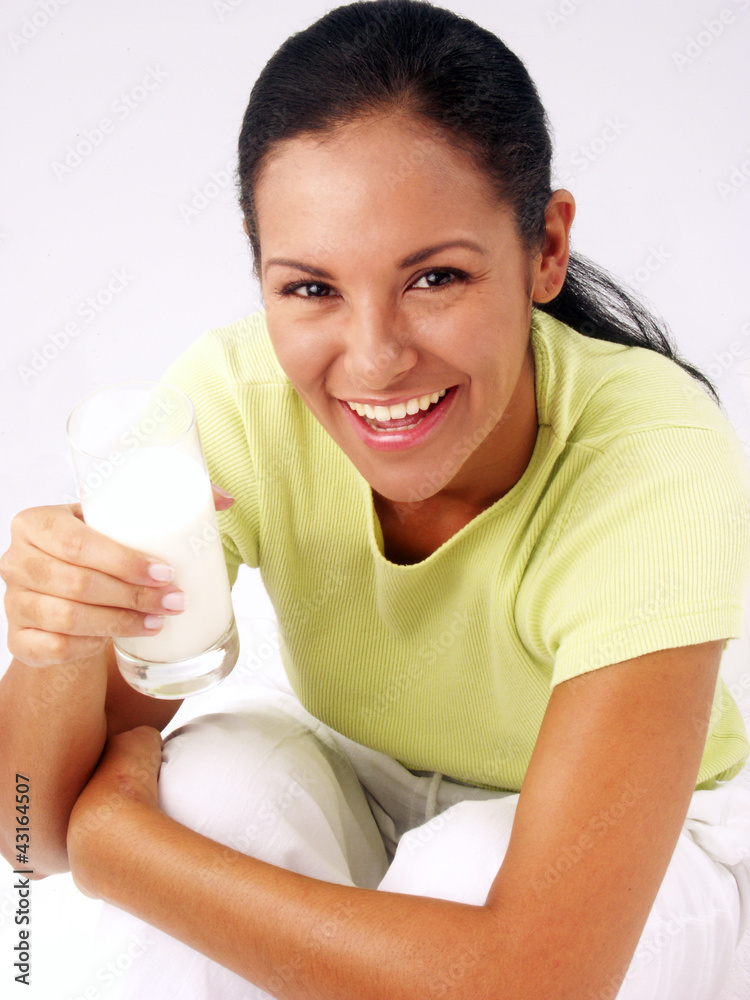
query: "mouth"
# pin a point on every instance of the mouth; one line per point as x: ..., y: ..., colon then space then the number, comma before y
x: 394, y: 427
x: 402, y: 415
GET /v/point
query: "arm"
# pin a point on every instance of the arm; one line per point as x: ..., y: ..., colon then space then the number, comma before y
x: 638, y: 725
x: 68, y: 589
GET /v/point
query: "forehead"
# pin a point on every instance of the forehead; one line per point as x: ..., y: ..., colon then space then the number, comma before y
x: 375, y: 180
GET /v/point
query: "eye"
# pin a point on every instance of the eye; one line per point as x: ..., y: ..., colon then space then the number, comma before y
x: 437, y: 278
x: 313, y: 289
x: 444, y: 275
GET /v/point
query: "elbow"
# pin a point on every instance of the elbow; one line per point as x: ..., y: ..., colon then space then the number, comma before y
x: 36, y: 865
x: 36, y: 857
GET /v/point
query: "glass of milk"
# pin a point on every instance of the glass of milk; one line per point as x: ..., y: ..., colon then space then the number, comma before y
x: 142, y: 481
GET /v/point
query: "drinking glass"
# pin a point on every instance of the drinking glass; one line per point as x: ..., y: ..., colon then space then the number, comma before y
x: 142, y: 480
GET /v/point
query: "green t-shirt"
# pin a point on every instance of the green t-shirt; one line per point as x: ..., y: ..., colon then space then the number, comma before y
x: 628, y: 532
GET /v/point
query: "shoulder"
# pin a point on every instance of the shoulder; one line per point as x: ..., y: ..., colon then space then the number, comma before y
x: 592, y: 392
x: 241, y: 396
x: 629, y: 420
x: 238, y: 354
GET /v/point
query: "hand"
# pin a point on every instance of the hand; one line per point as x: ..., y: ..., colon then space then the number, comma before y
x: 70, y: 588
x: 122, y: 785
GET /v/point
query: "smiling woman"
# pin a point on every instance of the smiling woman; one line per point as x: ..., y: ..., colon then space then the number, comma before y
x: 418, y: 289
x: 505, y: 532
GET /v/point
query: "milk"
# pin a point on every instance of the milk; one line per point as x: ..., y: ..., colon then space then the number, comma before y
x: 158, y: 500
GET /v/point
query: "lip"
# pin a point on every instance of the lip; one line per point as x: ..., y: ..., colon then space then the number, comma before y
x: 396, y: 399
x: 400, y: 439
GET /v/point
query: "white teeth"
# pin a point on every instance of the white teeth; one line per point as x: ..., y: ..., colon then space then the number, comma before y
x: 399, y: 410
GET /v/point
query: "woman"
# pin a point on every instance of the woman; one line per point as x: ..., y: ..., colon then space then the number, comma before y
x: 505, y: 532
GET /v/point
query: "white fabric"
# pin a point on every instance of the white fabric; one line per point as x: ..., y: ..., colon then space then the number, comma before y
x: 271, y: 781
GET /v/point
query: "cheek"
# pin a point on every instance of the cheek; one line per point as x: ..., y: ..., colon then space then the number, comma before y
x: 302, y: 354
x: 290, y: 344
x: 496, y: 333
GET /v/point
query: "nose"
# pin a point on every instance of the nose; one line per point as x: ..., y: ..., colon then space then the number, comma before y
x: 378, y: 350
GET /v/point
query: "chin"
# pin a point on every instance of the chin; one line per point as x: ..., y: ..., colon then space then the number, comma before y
x: 409, y: 492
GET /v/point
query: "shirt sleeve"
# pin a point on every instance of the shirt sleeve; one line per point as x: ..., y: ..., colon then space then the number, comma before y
x: 201, y: 373
x: 652, y: 552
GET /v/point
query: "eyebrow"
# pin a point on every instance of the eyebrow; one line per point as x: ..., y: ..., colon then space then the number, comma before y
x: 410, y: 261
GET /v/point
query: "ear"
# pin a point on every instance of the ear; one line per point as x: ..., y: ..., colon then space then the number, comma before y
x: 551, y: 265
x: 244, y: 226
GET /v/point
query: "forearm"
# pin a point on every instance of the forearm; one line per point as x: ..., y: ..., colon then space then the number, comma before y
x: 294, y: 936
x: 52, y: 731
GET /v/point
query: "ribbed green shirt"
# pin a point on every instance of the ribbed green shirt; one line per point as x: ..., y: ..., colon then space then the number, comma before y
x: 628, y: 532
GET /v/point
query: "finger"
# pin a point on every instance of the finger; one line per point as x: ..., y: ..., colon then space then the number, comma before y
x: 138, y: 748
x: 222, y: 499
x: 135, y: 754
x: 39, y: 648
x: 39, y: 573
x: 60, y: 532
x: 55, y: 614
x: 141, y: 741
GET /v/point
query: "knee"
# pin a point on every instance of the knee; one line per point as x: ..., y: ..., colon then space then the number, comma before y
x: 230, y: 775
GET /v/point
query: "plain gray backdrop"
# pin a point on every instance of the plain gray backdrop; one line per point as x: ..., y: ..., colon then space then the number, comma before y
x: 121, y: 240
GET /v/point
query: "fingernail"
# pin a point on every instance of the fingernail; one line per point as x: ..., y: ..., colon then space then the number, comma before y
x: 222, y: 493
x: 160, y: 572
x: 175, y: 601
x: 153, y: 621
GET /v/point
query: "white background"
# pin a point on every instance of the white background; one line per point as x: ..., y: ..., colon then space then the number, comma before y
x: 151, y: 200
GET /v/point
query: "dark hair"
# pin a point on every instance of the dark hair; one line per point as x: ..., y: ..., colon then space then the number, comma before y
x: 468, y: 89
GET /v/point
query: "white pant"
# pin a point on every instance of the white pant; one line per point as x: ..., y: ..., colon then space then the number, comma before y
x: 269, y: 780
